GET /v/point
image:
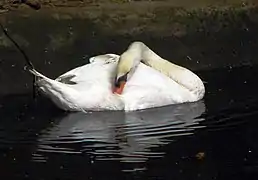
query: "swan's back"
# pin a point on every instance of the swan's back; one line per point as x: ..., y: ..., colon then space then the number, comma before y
x: 92, y: 87
x: 99, y: 72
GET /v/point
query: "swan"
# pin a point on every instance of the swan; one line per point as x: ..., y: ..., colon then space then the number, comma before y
x: 138, y: 79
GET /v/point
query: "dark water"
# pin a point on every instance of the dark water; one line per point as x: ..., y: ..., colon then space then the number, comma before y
x: 215, y: 138
x: 211, y: 139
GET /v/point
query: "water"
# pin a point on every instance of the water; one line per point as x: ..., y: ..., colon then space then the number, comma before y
x: 211, y: 139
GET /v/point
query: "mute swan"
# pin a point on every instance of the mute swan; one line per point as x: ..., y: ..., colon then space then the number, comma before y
x: 112, y: 82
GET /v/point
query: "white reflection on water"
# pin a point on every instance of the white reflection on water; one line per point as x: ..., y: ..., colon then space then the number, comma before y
x: 126, y: 137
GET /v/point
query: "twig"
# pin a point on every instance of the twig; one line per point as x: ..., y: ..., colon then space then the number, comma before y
x: 17, y: 46
x: 28, y: 62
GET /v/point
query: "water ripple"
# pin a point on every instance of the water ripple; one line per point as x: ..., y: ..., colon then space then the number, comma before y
x: 125, y: 137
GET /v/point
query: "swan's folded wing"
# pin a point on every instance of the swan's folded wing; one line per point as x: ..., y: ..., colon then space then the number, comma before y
x: 70, y: 76
x: 78, y: 74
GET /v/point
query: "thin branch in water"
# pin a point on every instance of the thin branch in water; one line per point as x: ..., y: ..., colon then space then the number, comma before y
x: 28, y: 62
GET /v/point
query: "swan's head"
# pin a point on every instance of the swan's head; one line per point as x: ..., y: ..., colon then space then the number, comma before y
x: 126, y: 65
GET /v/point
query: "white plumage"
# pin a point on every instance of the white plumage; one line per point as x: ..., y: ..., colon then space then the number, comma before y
x: 89, y: 87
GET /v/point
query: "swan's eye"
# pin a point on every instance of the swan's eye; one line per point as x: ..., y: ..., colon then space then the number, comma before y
x: 120, y: 84
x: 120, y: 80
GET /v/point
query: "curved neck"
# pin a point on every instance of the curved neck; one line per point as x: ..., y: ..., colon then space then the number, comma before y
x: 181, y: 75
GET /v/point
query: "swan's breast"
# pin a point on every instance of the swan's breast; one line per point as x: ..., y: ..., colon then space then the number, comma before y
x: 146, y: 76
x: 149, y: 88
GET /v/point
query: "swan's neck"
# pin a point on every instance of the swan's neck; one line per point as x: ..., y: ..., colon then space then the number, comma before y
x: 181, y: 75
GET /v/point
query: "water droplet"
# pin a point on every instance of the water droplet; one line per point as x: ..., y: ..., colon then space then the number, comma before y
x: 188, y: 57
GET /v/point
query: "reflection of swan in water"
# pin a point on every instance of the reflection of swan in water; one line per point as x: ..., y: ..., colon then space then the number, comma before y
x: 121, y: 136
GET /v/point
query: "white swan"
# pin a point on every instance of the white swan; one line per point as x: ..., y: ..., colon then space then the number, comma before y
x: 111, y: 82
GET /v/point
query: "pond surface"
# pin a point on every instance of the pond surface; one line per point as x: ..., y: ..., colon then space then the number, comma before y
x: 215, y: 138
x: 211, y: 139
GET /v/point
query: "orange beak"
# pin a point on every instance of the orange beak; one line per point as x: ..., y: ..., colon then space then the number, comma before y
x: 119, y: 90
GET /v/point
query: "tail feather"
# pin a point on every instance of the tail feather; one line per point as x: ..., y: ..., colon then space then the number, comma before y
x: 49, y: 84
x: 37, y: 74
x: 61, y: 94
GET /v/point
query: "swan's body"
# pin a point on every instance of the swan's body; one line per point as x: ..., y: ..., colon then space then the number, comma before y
x: 89, y: 87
